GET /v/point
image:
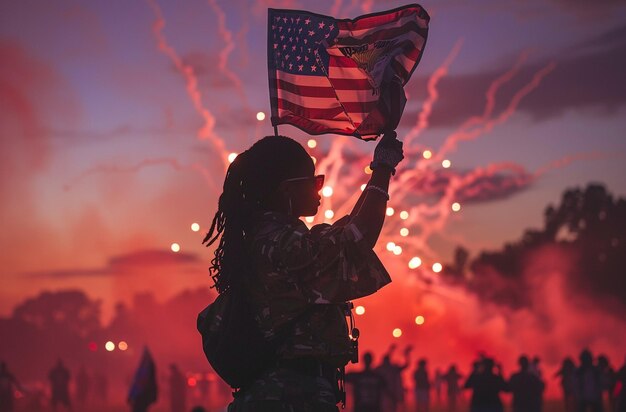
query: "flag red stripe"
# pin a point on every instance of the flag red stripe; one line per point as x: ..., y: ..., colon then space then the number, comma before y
x: 310, y: 91
x: 409, y: 29
x: 369, y: 22
x: 337, y: 83
x: 317, y: 113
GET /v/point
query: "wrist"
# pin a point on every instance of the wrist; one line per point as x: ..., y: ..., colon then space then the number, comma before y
x: 382, y: 167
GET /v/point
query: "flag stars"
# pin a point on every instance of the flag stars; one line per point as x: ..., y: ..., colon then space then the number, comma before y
x: 313, y: 68
x: 307, y: 21
x: 284, y: 19
x: 300, y: 67
x: 331, y: 27
x: 321, y: 25
x: 282, y: 37
x: 290, y: 66
x: 284, y: 46
x: 311, y: 33
x: 298, y: 20
x: 293, y: 48
x: 275, y: 45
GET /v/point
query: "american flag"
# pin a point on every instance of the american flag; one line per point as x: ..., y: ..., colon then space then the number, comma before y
x: 325, y: 74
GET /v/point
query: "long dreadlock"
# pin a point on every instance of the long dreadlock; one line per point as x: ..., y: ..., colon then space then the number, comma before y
x: 251, y: 178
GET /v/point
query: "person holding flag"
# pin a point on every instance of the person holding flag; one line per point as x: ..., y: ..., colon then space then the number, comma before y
x: 143, y: 391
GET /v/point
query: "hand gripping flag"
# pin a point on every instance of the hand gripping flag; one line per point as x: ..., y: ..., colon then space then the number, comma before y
x: 342, y: 76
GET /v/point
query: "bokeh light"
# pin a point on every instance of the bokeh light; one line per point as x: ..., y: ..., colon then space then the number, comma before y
x: 390, y: 211
x: 367, y: 170
x: 329, y: 214
x: 404, y: 232
x: 231, y: 157
x: 427, y: 154
x: 404, y: 215
x: 93, y: 346
x: 456, y: 206
x: 122, y: 345
x: 260, y: 116
x: 195, y: 227
x: 191, y: 381
x: 359, y: 310
x: 391, y: 246
x: 314, y: 159
x: 419, y: 320
x: 175, y: 247
x: 415, y: 262
x: 312, y: 143
x: 309, y: 219
x: 437, y: 267
x: 397, y: 250
x: 446, y: 164
x: 109, y: 346
x: 363, y: 186
x: 397, y: 332
x: 327, y: 191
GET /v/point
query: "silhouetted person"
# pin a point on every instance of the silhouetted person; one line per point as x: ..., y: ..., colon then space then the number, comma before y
x: 143, y: 391
x: 8, y: 385
x: 83, y: 386
x: 392, y: 373
x: 567, y: 375
x: 486, y: 387
x: 422, y: 386
x: 527, y: 388
x: 534, y: 367
x: 452, y: 378
x: 368, y: 387
x: 59, y: 378
x: 178, y: 390
x: 588, y: 384
x: 296, y: 279
x: 607, y: 380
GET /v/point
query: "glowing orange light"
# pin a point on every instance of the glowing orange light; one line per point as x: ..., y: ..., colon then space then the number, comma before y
x: 397, y: 250
x: 175, y: 247
x: 327, y: 191
x: 363, y: 186
x: 260, y: 116
x: 437, y: 267
x: 195, y: 227
x: 404, y: 215
x: 309, y: 219
x: 419, y: 320
x: 192, y: 381
x: 404, y: 232
x: 397, y: 332
x: 368, y: 171
x: 390, y: 211
x: 391, y: 246
x: 329, y: 214
x: 359, y: 310
x: 109, y: 346
x: 456, y: 206
x: 427, y: 154
x: 415, y: 262
x: 231, y: 157
x: 312, y: 143
x: 122, y: 345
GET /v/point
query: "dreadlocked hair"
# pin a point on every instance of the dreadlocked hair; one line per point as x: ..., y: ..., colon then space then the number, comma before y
x: 251, y: 179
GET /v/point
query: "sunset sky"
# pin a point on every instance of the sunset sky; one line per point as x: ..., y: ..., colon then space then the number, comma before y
x: 106, y: 161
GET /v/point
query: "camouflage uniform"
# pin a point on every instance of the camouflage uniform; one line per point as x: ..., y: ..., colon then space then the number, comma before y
x: 302, y: 278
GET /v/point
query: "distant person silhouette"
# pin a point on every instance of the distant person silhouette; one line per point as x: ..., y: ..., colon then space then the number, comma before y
x: 588, y: 384
x: 369, y: 387
x: 392, y: 373
x: 607, y: 380
x: 59, y: 377
x: 144, y: 390
x: 567, y: 375
x: 178, y: 390
x: 534, y: 367
x: 83, y: 386
x: 422, y: 386
x: 452, y: 378
x: 486, y: 386
x: 526, y: 387
x: 297, y: 280
x: 8, y: 385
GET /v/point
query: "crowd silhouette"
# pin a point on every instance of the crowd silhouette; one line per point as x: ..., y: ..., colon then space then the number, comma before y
x: 588, y: 383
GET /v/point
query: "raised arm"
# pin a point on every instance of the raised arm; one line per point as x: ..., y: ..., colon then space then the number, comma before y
x: 369, y: 211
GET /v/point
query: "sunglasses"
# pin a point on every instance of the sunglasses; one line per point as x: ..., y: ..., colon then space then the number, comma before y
x: 318, y: 181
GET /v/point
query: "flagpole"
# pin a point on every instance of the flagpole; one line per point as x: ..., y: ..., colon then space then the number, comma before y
x: 275, y: 130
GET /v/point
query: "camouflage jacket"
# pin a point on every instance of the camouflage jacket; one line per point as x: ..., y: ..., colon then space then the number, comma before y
x: 301, y: 278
